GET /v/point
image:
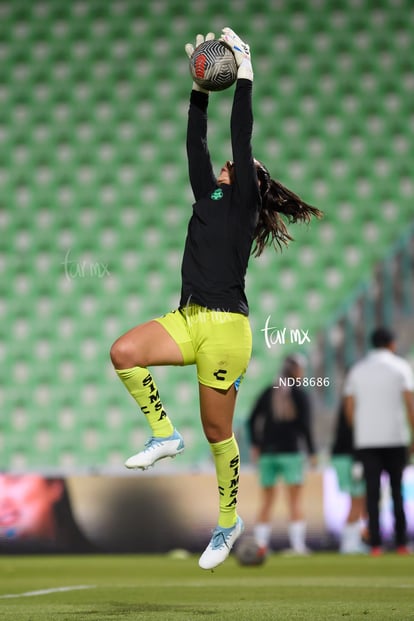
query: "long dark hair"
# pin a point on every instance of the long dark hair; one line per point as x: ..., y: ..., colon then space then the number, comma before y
x: 278, y: 201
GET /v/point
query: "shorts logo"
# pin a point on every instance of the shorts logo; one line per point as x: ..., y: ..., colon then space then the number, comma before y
x: 217, y: 194
x: 218, y: 375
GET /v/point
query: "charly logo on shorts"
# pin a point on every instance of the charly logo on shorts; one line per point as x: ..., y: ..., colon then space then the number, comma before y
x: 217, y: 194
x: 220, y: 374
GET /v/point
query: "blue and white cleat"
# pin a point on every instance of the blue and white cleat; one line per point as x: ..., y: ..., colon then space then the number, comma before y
x: 220, y: 545
x: 155, y: 449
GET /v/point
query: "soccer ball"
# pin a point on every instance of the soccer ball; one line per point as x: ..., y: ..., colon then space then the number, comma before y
x: 249, y: 553
x: 213, y: 66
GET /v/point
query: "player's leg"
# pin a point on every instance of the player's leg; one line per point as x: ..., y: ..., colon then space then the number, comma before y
x: 396, y: 461
x: 351, y: 537
x: 217, y: 410
x: 268, y: 468
x: 263, y: 527
x: 297, y: 523
x: 293, y: 469
x: 222, y: 342
x: 268, y: 495
x: 131, y: 354
x: 356, y: 509
x: 372, y: 464
x: 152, y: 343
x: 350, y: 481
x: 145, y: 345
x: 294, y: 494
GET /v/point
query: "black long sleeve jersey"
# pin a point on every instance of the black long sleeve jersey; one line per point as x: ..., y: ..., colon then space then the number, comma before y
x: 273, y: 434
x: 221, y: 229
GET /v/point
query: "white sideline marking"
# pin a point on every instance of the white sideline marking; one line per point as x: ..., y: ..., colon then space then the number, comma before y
x: 47, y: 591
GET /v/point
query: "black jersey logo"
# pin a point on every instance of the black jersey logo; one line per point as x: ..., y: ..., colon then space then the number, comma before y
x: 217, y: 194
x: 219, y: 375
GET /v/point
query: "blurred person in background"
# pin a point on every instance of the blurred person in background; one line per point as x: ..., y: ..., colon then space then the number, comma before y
x: 349, y: 473
x: 379, y: 404
x: 279, y: 424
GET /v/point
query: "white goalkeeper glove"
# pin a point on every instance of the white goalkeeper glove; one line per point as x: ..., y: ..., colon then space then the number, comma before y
x: 241, y: 53
x: 189, y: 48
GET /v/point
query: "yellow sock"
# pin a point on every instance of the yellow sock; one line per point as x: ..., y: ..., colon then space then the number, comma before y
x: 141, y: 386
x: 227, y: 461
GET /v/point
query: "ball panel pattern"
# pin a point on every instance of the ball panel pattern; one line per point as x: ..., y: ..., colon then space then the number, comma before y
x: 213, y: 66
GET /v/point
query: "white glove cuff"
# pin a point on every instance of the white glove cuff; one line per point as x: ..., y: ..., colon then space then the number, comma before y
x: 200, y: 89
x: 245, y: 70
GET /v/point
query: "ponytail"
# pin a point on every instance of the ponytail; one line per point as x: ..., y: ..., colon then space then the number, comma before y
x: 278, y: 201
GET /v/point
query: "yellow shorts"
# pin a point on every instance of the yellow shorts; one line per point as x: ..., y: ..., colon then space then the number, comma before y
x: 219, y: 343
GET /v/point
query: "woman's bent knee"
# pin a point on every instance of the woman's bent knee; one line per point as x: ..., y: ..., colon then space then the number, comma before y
x: 122, y: 355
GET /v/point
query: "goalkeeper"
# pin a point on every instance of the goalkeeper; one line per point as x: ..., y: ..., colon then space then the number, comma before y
x: 233, y: 213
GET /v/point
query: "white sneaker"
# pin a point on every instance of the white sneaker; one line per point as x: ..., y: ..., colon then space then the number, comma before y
x: 357, y: 549
x: 220, y: 545
x: 155, y: 449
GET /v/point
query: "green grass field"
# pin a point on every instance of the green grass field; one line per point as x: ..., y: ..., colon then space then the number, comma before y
x: 162, y: 588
